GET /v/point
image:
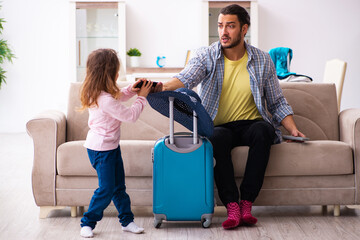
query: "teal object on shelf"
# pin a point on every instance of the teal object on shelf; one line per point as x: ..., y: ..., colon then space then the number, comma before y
x: 160, y: 61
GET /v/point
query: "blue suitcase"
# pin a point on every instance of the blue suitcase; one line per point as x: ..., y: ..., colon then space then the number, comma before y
x: 183, y: 185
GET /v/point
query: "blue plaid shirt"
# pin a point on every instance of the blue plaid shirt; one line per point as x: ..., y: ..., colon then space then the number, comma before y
x: 207, y: 68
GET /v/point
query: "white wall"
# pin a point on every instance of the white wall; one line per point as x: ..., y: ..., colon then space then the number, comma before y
x: 38, y: 31
x: 37, y: 80
x: 316, y: 31
x: 164, y: 28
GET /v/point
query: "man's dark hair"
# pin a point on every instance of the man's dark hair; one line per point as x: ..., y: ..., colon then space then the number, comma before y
x: 234, y: 9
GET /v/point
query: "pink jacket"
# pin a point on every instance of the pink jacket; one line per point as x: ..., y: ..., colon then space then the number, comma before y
x: 105, y: 120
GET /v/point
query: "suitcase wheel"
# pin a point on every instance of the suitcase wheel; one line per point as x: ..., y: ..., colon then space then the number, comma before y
x: 157, y: 223
x: 206, y: 222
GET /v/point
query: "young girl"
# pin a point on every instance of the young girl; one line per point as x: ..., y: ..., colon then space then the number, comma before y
x: 103, y: 98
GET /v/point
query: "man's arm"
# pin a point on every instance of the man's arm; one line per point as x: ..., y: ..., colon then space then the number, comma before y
x: 289, y: 124
x: 277, y: 104
x: 192, y: 75
x: 173, y: 84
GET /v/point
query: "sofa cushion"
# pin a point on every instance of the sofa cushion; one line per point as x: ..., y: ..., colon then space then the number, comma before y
x: 286, y: 159
x: 72, y: 159
x: 302, y: 159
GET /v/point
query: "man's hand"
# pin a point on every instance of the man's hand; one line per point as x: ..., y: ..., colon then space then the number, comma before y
x: 289, y: 124
x: 171, y: 85
x: 297, y: 133
x: 157, y: 88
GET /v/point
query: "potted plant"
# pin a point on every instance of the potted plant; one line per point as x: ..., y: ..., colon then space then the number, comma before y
x: 5, y: 53
x: 134, y: 55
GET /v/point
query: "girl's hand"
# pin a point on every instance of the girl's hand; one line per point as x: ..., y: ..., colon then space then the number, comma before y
x: 145, y: 88
x: 134, y: 88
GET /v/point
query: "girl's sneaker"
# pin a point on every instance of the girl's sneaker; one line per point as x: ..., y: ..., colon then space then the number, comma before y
x: 86, y: 232
x: 132, y: 227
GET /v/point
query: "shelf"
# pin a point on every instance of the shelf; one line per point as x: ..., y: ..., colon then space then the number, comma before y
x: 98, y: 37
x: 131, y: 70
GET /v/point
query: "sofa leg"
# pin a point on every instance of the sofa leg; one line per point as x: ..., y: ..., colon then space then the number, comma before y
x: 45, y: 210
x: 324, y: 209
x: 81, y: 210
x: 73, y: 211
x: 336, y: 210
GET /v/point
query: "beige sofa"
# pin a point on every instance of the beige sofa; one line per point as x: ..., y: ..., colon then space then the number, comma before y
x: 323, y: 171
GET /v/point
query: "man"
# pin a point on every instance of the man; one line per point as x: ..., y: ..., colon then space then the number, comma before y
x: 239, y: 87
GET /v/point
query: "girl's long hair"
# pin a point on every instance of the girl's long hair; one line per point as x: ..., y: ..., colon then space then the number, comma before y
x: 102, y: 67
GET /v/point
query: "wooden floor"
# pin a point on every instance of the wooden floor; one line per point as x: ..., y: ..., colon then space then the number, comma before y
x: 19, y: 214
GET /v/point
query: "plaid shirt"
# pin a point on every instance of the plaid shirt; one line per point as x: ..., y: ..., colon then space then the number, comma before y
x: 207, y: 68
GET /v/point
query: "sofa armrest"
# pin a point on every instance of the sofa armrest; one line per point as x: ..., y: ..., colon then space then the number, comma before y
x: 48, y: 131
x: 349, y: 121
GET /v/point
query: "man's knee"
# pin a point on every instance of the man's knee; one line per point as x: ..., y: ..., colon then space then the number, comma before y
x: 262, y: 130
x: 221, y: 137
x: 221, y: 141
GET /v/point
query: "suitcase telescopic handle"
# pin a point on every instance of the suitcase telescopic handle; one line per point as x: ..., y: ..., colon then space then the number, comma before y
x: 171, y: 116
x: 195, y: 130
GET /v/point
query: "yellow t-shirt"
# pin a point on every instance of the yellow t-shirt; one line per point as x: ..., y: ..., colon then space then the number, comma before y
x: 236, y: 99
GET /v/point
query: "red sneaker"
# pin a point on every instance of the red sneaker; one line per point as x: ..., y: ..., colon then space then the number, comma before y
x: 233, y: 212
x: 245, y: 211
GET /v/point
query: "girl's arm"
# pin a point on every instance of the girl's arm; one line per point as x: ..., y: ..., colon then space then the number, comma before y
x: 126, y: 93
x: 129, y: 91
x: 121, y: 112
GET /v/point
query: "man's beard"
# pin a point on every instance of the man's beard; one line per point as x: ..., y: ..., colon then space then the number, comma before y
x: 235, y: 43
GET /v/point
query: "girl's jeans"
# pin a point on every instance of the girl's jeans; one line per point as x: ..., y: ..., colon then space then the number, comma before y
x: 110, y: 171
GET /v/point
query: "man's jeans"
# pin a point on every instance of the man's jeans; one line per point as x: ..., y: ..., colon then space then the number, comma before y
x: 110, y: 171
x: 259, y: 136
